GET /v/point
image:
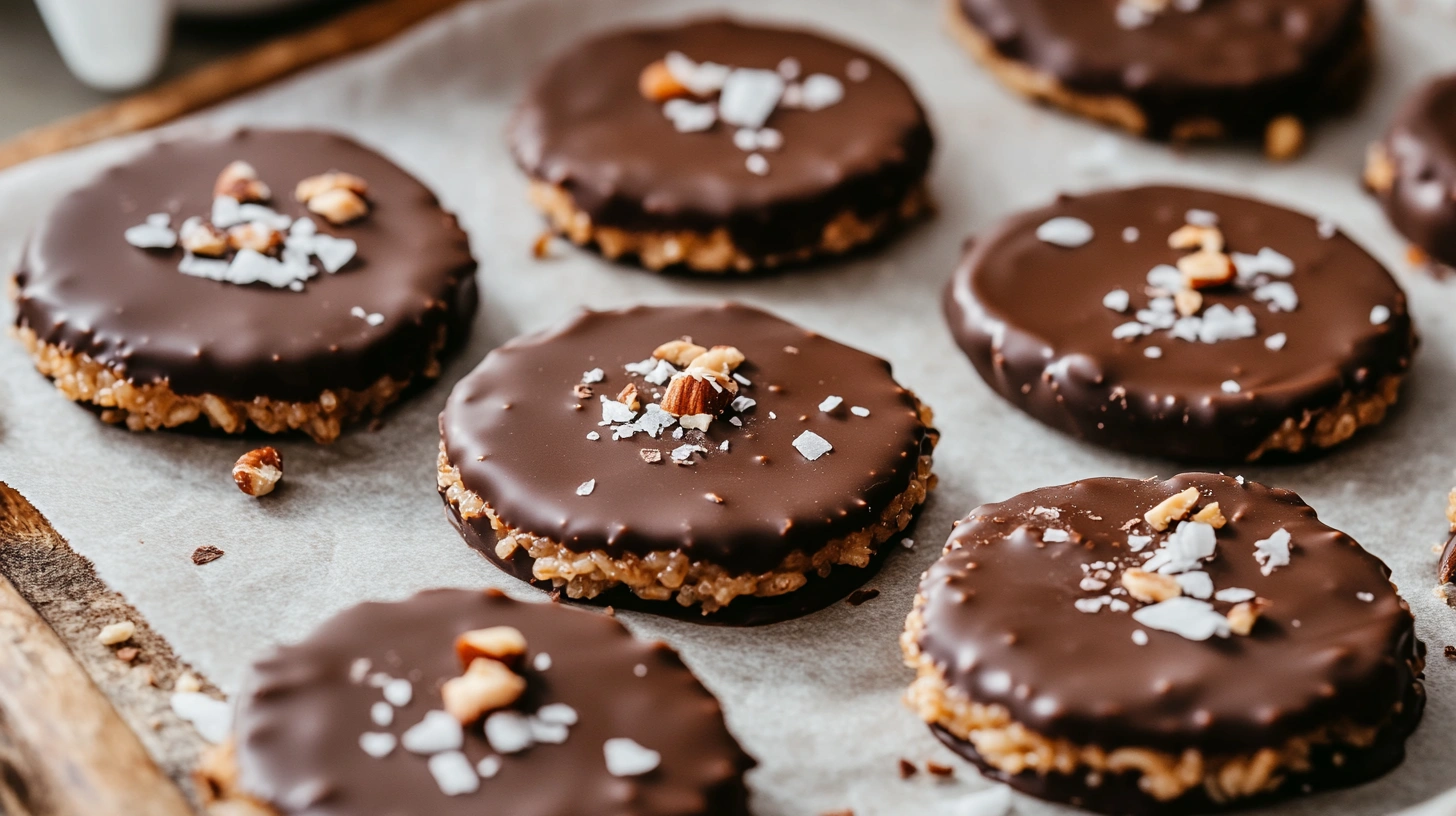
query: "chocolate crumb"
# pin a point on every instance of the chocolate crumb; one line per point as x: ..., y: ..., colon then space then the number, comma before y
x: 907, y: 768
x: 127, y: 654
x: 937, y: 769
x: 859, y: 596
x: 1451, y: 652
x: 206, y: 554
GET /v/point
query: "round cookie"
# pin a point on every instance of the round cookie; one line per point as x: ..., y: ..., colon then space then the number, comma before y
x: 1261, y: 331
x: 1147, y: 647
x: 752, y: 482
x: 1178, y: 70
x: 364, y: 717
x: 194, y: 283
x: 1412, y: 171
x: 716, y: 147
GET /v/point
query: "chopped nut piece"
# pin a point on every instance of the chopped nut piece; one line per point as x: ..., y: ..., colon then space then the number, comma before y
x: 1187, y: 302
x: 581, y: 391
x: 127, y: 654
x: 1192, y: 236
x: 937, y: 769
x: 1150, y: 587
x: 718, y: 358
x: 206, y: 554
x: 1379, y: 169
x: 486, y: 686
x: 1284, y: 137
x: 502, y: 643
x: 202, y: 238
x: 257, y: 472
x: 542, y: 247
x: 187, y: 683
x: 907, y: 769
x: 240, y: 181
x: 650, y: 455
x: 1243, y: 616
x: 659, y: 85
x: 339, y: 206
x: 699, y: 391
x: 1203, y: 269
x: 1171, y: 509
x: 678, y: 352
x: 114, y: 633
x: 1212, y: 516
x: 628, y: 397
x: 256, y: 236
x: 314, y: 186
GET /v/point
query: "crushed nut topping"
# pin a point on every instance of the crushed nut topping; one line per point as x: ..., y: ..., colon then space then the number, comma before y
x: 258, y: 471
x: 1150, y: 587
x: 1171, y: 509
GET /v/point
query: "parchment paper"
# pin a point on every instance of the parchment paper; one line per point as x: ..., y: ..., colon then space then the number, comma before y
x: 816, y: 700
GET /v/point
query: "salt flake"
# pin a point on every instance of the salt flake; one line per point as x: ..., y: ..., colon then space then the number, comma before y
x: 1065, y: 231
x: 1186, y: 617
x: 812, y: 445
x: 625, y: 757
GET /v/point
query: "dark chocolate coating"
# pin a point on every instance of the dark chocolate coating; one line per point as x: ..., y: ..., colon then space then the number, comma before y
x: 1422, y: 146
x: 1029, y: 315
x: 1001, y: 624
x: 1241, y: 62
x: 585, y: 127
x: 300, y: 718
x: 84, y: 288
x: 1446, y: 567
x: 514, y: 430
x: 818, y: 592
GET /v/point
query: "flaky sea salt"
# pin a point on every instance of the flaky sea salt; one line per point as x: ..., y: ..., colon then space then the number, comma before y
x: 1139, y: 637
x: 1272, y: 552
x: 1229, y: 387
x: 702, y: 78
x: 1367, y: 597
x: 559, y: 713
x: 595, y: 375
x: 756, y: 164
x: 378, y: 744
x: 859, y: 411
x: 1379, y: 315
x: 508, y: 732
x: 690, y: 117
x: 436, y: 732
x: 1117, y: 300
x: 812, y: 445
x: 541, y: 662
x: 741, y: 404
x: 1280, y: 296
x: 399, y: 692
x: 1065, y: 231
x: 1152, y: 352
x: 453, y: 773
x: 626, y: 757
x: 749, y: 96
x: 1201, y: 218
x: 489, y: 767
x: 586, y: 487
x: 1234, y: 595
x: 1186, y: 617
x: 1325, y: 228
x: 1275, y: 342
x: 1130, y: 234
x: 1052, y: 536
x: 857, y: 70
x: 155, y: 233
x: 381, y: 714
x: 1196, y: 584
x: 819, y: 91
x: 334, y: 253
x: 830, y: 403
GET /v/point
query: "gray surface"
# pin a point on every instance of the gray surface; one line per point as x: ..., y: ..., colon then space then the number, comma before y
x: 36, y: 88
x: 817, y: 700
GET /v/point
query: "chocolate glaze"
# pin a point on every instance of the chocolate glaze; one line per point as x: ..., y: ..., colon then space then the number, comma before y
x: 1241, y: 62
x: 1030, y: 317
x: 1422, y: 145
x: 514, y: 430
x: 84, y: 288
x: 1000, y: 622
x: 818, y: 592
x: 585, y: 127
x: 300, y: 717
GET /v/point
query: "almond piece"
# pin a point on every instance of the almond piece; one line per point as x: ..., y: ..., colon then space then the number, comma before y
x: 486, y: 686
x: 240, y: 181
x: 678, y: 352
x: 338, y: 206
x: 202, y: 238
x: 723, y: 359
x: 1191, y: 236
x: 1187, y: 302
x: 699, y: 391
x: 1204, y: 269
x: 314, y: 186
x: 257, y: 472
x: 1171, y: 509
x: 503, y: 643
x: 1243, y: 616
x: 628, y: 397
x: 1212, y: 516
x: 1150, y: 587
x: 659, y: 85
x: 1284, y: 137
x: 1379, y: 169
x: 256, y: 236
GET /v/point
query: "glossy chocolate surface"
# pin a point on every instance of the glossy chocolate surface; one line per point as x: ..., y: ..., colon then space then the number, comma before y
x: 83, y: 287
x: 300, y: 718
x: 585, y: 127
x: 518, y: 434
x: 1240, y: 62
x: 1030, y: 316
x: 1422, y: 146
x: 1335, y: 644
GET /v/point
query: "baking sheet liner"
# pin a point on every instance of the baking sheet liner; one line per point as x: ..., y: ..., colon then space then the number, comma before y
x: 816, y: 700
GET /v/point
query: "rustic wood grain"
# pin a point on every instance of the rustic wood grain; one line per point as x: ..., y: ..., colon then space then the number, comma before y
x: 215, y: 82
x: 82, y: 732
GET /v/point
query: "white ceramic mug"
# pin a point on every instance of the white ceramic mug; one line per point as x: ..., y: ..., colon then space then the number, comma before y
x: 117, y: 45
